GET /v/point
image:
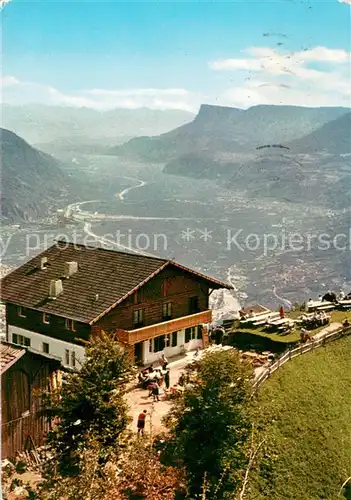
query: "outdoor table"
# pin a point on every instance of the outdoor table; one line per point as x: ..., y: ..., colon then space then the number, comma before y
x: 281, y: 321
x: 345, y: 304
x: 314, y: 304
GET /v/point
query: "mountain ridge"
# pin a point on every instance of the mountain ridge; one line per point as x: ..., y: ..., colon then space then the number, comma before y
x: 224, y: 129
x: 32, y: 181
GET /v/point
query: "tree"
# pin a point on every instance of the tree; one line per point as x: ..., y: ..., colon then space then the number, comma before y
x: 142, y: 476
x: 91, y: 404
x: 210, y: 425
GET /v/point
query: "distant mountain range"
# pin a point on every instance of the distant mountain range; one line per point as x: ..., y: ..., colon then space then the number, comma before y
x: 31, y: 181
x: 282, y: 152
x: 220, y: 130
x: 333, y: 137
x: 40, y: 124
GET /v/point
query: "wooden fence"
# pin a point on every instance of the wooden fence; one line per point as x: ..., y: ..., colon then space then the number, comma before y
x: 297, y: 351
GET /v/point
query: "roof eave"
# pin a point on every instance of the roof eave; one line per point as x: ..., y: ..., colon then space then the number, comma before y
x: 14, y: 361
x: 122, y: 299
x: 218, y: 284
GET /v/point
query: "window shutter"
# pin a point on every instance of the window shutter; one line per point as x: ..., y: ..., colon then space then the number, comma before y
x: 199, y: 332
x: 174, y: 339
x: 187, y: 335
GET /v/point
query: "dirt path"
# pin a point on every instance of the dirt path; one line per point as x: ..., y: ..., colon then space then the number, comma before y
x: 138, y: 399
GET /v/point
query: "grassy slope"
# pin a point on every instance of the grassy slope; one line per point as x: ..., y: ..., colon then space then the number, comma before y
x: 305, y: 409
x: 336, y: 316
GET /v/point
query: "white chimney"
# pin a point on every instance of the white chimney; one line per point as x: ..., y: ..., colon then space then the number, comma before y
x: 55, y: 288
x: 43, y: 263
x: 70, y: 268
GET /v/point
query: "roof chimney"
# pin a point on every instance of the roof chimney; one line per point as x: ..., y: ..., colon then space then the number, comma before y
x: 55, y: 288
x: 43, y: 263
x: 70, y: 268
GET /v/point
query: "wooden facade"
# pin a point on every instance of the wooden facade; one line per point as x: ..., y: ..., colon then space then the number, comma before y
x: 180, y: 295
x: 171, y: 286
x: 131, y: 337
x: 23, y: 425
x: 147, y: 297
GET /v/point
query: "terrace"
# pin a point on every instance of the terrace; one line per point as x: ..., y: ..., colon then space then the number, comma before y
x: 287, y: 337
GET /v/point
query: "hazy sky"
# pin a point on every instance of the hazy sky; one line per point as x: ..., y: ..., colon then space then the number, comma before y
x: 176, y: 54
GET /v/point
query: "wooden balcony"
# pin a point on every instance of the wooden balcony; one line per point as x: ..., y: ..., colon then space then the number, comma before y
x: 148, y: 332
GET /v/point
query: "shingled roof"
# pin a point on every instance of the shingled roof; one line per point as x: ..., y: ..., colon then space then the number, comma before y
x: 9, y: 355
x: 110, y: 275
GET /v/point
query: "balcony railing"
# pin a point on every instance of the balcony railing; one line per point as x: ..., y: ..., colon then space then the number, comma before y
x: 148, y: 332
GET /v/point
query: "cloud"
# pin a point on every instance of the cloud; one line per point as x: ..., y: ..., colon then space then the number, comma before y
x: 140, y: 92
x: 22, y: 92
x: 319, y: 76
x: 8, y: 81
x: 3, y: 3
x: 272, y: 60
x: 345, y: 1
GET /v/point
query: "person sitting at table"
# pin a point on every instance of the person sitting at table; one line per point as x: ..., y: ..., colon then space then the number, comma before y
x: 317, y: 318
x: 330, y: 297
x: 251, y: 314
x: 141, y: 378
x: 325, y: 318
x: 309, y: 304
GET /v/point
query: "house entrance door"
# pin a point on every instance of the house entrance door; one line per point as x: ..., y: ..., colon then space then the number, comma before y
x: 138, y: 353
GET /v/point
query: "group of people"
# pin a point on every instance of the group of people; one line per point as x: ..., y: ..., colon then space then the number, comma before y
x: 330, y: 297
x: 319, y: 318
x: 246, y: 315
x: 152, y: 379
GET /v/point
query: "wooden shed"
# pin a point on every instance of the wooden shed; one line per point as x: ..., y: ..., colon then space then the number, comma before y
x: 25, y: 374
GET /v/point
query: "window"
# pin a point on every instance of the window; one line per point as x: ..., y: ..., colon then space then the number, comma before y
x: 159, y: 343
x: 199, y: 332
x: 20, y: 312
x: 67, y: 357
x: 45, y: 347
x: 190, y: 334
x: 174, y: 339
x: 20, y: 340
x: 167, y: 310
x: 150, y: 345
x: 70, y: 325
x: 164, y: 288
x: 194, y: 305
x: 138, y: 297
x: 138, y: 317
x: 73, y: 359
x: 46, y: 318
